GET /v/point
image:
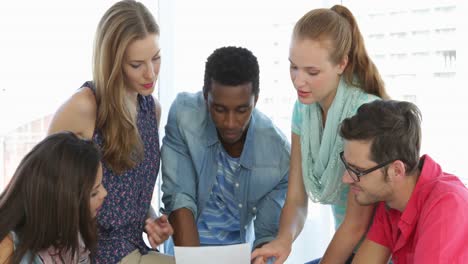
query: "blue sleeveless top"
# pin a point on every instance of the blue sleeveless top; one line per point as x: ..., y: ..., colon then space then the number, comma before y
x: 122, y: 217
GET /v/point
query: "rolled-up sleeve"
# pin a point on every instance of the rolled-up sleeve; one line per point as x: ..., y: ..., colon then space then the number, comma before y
x: 269, y: 208
x: 178, y: 172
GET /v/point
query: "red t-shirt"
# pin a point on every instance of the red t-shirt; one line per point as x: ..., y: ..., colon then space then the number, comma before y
x: 433, y: 228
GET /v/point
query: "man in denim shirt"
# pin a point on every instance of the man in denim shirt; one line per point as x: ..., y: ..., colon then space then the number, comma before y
x: 225, y: 165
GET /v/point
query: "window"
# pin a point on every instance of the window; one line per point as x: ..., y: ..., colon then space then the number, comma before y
x: 47, y: 50
x: 376, y: 36
x: 445, y: 30
x: 420, y: 11
x: 423, y: 68
x: 446, y: 9
x: 449, y: 57
x: 420, y: 32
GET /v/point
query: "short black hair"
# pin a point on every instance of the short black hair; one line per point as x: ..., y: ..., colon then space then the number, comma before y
x: 394, y: 127
x: 232, y: 66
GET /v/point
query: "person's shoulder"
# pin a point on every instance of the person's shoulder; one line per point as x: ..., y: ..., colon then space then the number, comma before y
x: 361, y: 98
x: 81, y: 106
x: 449, y: 187
x: 84, y: 101
x: 434, y: 182
x: 190, y: 100
x: 188, y: 104
x: 268, y: 133
x: 77, y: 114
x: 189, y: 110
x: 445, y: 194
x: 263, y: 122
x: 365, y: 97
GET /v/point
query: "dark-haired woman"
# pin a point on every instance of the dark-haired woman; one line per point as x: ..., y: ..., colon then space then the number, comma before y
x: 48, y: 209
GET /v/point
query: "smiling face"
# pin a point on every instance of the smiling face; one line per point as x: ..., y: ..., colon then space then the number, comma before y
x: 98, y: 193
x: 141, y: 65
x: 231, y: 108
x: 313, y: 75
x: 373, y: 187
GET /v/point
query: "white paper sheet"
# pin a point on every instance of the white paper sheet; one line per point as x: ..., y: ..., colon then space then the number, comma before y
x: 232, y: 254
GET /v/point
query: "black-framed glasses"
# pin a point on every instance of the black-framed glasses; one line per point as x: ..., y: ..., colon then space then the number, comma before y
x: 356, y: 174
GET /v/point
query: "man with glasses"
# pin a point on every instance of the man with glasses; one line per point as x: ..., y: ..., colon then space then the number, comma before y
x: 422, y: 216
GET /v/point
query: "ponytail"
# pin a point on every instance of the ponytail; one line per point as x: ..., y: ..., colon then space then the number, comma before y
x: 359, y: 63
x: 338, y: 27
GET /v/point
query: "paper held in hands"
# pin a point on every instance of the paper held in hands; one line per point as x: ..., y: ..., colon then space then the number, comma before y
x: 232, y: 254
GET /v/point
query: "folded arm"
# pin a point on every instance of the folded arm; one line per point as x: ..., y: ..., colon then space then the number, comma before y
x: 371, y: 252
x: 350, y: 232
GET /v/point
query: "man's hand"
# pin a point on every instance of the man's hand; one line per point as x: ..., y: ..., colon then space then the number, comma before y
x: 277, y: 249
x: 158, y: 230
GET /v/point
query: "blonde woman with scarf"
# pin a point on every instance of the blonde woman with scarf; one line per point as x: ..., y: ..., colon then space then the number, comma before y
x: 333, y: 76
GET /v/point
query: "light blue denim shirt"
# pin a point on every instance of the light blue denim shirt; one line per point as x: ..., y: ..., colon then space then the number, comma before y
x: 189, y: 167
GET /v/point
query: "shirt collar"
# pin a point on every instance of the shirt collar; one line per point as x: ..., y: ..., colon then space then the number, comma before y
x: 430, y: 171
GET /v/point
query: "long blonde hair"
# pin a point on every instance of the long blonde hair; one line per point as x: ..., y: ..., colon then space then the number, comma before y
x: 123, y: 23
x: 338, y: 26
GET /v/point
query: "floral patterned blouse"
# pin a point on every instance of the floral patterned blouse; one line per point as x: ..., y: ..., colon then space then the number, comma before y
x: 122, y: 217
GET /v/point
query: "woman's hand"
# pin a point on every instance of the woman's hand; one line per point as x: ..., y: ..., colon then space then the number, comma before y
x: 158, y: 230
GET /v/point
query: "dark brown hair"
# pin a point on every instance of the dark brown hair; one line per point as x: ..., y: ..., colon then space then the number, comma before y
x: 123, y: 23
x: 338, y: 28
x: 47, y: 202
x: 394, y: 128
